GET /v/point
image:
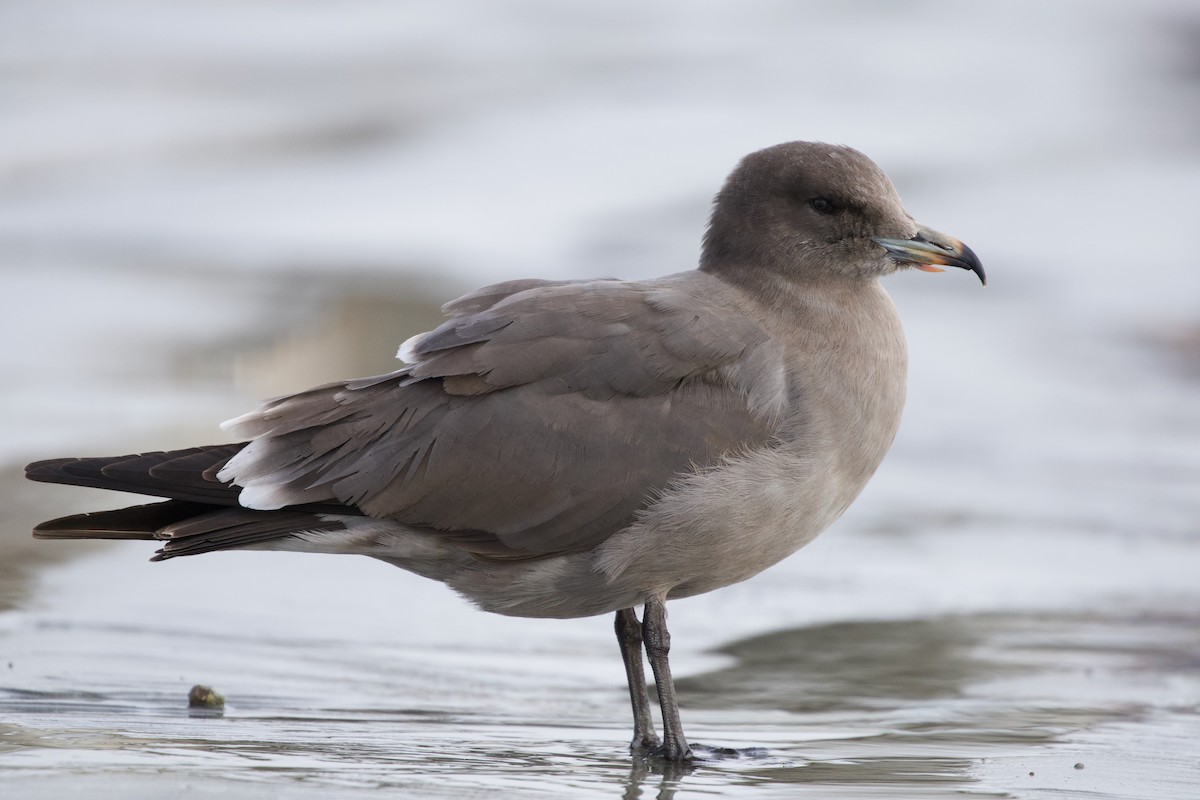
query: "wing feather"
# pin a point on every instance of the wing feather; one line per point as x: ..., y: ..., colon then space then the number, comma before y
x: 539, y: 419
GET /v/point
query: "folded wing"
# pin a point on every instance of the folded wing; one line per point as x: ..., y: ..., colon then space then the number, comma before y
x: 539, y: 419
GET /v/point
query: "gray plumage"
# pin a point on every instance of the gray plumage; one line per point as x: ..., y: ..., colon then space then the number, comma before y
x: 569, y: 448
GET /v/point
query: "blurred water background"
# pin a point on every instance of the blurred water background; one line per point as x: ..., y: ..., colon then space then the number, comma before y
x: 205, y: 203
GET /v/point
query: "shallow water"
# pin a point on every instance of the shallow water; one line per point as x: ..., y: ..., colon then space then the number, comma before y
x: 197, y: 219
x: 450, y: 703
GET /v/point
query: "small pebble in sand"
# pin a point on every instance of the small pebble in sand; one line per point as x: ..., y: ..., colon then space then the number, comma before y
x: 1078, y: 765
x: 205, y: 697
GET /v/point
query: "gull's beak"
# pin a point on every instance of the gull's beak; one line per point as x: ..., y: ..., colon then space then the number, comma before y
x: 929, y: 248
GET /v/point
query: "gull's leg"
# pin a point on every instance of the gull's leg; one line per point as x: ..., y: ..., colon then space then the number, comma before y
x: 658, y: 645
x: 629, y: 636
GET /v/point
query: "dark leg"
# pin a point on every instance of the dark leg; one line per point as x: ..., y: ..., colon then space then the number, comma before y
x: 629, y: 636
x: 658, y: 645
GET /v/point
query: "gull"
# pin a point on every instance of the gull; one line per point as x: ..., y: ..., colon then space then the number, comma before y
x: 572, y: 448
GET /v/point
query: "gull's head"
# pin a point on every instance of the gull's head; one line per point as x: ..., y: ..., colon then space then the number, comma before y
x: 817, y: 212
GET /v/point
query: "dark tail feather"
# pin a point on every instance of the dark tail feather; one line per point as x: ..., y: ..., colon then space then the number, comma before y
x: 235, y: 528
x: 189, y: 475
x: 135, y: 522
x: 202, y: 514
x: 188, y: 529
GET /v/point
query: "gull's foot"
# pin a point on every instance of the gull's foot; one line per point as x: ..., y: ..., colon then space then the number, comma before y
x: 704, y: 752
x: 677, y: 752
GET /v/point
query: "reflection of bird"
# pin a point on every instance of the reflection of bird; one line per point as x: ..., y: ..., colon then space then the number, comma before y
x: 569, y: 448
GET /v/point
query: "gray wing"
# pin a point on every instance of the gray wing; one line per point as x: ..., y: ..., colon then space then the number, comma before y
x: 538, y: 420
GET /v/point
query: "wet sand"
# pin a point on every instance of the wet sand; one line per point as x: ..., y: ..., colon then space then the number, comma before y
x: 975, y: 705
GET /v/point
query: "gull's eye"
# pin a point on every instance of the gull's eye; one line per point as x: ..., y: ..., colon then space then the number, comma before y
x: 822, y: 205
